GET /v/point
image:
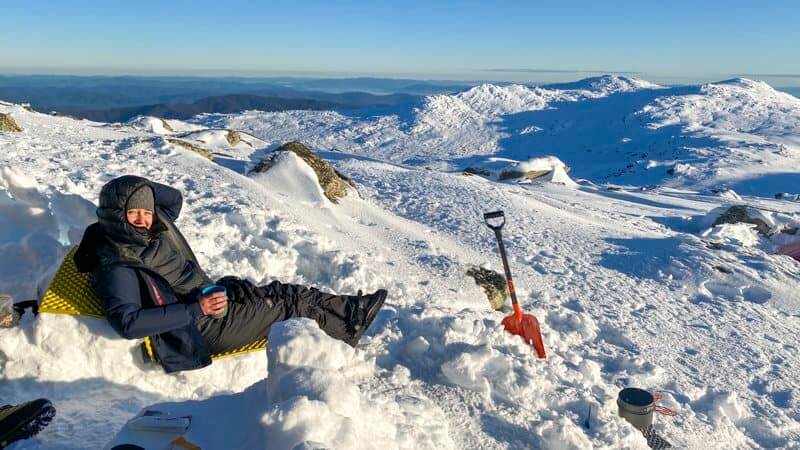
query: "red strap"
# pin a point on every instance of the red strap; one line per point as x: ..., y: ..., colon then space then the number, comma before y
x: 663, y: 410
x: 156, y: 293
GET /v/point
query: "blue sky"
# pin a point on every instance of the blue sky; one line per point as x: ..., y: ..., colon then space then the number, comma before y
x: 429, y: 39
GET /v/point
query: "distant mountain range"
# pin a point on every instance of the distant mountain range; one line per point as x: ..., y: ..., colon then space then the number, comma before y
x: 233, y: 103
x: 792, y: 90
x: 120, y: 98
x: 82, y: 93
x: 224, y: 104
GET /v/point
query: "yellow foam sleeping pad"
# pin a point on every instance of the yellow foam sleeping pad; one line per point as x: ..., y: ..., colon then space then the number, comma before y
x: 71, y: 293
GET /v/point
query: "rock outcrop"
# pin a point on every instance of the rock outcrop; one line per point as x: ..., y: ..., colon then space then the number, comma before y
x: 167, y: 126
x: 529, y: 175
x: 333, y: 184
x: 493, y: 284
x: 739, y: 214
x: 234, y: 137
x: 477, y: 171
x: 8, y: 124
x: 189, y: 146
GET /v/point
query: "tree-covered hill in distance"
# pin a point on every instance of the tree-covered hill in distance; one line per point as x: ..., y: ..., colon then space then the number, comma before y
x: 74, y: 94
x: 224, y: 104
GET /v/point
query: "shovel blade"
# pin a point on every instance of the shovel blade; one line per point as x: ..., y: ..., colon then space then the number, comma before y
x: 526, y: 326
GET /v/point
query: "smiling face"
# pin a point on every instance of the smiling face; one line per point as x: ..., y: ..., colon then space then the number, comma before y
x: 140, y: 218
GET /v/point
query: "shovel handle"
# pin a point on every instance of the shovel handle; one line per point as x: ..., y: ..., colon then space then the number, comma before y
x: 498, y: 234
x: 493, y: 215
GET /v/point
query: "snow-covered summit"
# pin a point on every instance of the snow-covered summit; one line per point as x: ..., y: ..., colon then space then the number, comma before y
x: 605, y: 85
x: 493, y: 100
x: 158, y: 125
x: 609, y: 84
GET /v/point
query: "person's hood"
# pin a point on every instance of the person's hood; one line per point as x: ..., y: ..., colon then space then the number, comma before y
x: 112, y: 211
x: 112, y: 239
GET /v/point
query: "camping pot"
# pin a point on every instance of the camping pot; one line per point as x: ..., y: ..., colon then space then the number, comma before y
x: 636, y: 406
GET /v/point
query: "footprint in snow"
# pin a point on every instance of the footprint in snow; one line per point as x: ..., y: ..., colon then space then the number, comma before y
x: 722, y: 290
x: 756, y: 294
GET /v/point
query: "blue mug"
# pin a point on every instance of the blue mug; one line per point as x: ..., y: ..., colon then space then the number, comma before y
x: 216, y: 288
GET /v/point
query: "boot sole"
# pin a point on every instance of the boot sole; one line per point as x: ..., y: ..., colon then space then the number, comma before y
x: 32, y: 425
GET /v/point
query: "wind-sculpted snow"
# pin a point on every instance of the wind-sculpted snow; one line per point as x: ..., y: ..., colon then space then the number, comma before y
x: 632, y: 286
x: 739, y: 134
x: 749, y: 134
x: 442, y: 128
x: 609, y: 84
x: 737, y: 107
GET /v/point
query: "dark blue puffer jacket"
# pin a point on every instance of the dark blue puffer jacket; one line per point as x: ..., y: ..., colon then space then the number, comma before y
x: 148, y: 283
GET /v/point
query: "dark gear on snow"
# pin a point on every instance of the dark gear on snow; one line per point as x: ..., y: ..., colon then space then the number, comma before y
x: 142, y: 198
x: 253, y: 309
x: 24, y: 420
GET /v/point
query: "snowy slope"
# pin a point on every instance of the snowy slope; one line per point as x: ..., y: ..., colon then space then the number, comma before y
x: 609, y: 129
x: 435, y: 132
x: 629, y: 289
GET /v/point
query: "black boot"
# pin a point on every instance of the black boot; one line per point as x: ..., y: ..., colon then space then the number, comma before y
x: 363, y: 309
x: 24, y: 420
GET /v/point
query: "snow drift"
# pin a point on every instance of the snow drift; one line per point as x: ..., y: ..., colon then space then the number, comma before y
x: 311, y: 397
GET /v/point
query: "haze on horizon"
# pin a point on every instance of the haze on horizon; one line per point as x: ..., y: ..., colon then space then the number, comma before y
x: 679, y: 42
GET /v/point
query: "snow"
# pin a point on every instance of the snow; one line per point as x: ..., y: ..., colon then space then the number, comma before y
x: 292, y: 177
x: 310, y: 397
x: 743, y: 234
x: 630, y: 287
x: 547, y: 163
x: 162, y: 126
x: 611, y: 84
x: 219, y: 139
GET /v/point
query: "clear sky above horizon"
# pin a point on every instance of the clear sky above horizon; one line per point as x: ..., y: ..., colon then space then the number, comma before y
x: 423, y: 39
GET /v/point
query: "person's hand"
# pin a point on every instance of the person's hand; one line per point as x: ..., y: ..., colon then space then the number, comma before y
x: 213, y: 303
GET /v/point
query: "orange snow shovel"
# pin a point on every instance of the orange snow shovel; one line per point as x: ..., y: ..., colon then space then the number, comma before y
x: 525, y: 325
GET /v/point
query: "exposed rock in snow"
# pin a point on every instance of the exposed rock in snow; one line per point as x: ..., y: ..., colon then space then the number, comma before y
x: 7, y: 124
x: 493, y: 284
x: 548, y: 168
x: 191, y: 147
x: 332, y: 183
x: 161, y: 126
x: 743, y: 214
x: 290, y: 175
x: 234, y: 138
x: 477, y: 171
x: 224, y: 139
x: 151, y: 124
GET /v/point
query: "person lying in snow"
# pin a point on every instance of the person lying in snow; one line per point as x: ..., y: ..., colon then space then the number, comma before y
x: 151, y: 284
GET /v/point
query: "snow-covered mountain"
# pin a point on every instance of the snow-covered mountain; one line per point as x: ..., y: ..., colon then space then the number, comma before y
x: 609, y: 129
x: 633, y: 286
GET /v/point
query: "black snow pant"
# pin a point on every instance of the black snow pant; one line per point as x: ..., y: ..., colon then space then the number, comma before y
x: 253, y: 309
